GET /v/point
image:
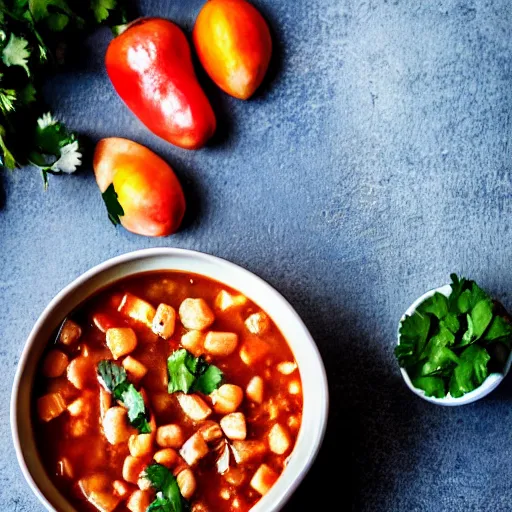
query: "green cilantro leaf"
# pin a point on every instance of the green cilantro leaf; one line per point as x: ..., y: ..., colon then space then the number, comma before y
x: 7, y: 100
x: 498, y: 329
x: 208, y: 381
x: 16, y: 53
x: 51, y: 135
x: 440, y: 359
x: 441, y: 362
x: 433, y: 386
x: 181, y: 376
x: 457, y: 287
x: 169, y: 498
x: 7, y: 158
x: 114, y: 208
x: 413, y: 337
x: 481, y: 315
x: 451, y: 322
x: 477, y: 295
x: 437, y: 305
x: 189, y: 374
x: 40, y: 8
x: 113, y: 377
x: 469, y: 294
x: 464, y: 302
x: 160, y: 504
x: 478, y: 321
x: 57, y: 21
x: 468, y: 336
x: 137, y: 414
x: 101, y: 9
x: 443, y: 338
x: 54, y: 148
x: 159, y: 476
x: 470, y: 372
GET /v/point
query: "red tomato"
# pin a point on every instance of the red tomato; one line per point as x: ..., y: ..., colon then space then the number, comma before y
x: 150, y: 66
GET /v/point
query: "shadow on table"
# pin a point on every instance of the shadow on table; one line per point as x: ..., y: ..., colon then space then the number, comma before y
x: 277, y: 59
x: 503, y: 393
x: 369, y: 405
x: 194, y: 198
x: 219, y: 101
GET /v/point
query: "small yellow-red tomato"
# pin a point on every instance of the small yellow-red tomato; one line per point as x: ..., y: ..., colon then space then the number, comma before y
x: 147, y: 188
x: 233, y: 43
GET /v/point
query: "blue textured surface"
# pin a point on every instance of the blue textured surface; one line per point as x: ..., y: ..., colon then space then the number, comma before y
x: 375, y: 162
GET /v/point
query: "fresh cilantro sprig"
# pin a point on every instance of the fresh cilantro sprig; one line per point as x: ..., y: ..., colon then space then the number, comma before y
x: 168, y: 497
x: 114, y: 379
x: 55, y: 149
x: 446, y: 344
x: 189, y: 374
x: 114, y: 208
x: 35, y: 36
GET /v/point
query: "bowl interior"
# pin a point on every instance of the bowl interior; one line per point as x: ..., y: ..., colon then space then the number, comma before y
x: 490, y: 383
x: 314, y: 381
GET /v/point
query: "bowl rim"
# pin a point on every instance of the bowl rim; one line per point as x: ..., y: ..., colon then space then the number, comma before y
x: 489, y: 384
x: 278, y: 495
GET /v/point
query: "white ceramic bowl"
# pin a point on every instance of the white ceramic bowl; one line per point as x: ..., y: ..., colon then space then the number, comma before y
x: 310, y: 364
x: 490, y: 383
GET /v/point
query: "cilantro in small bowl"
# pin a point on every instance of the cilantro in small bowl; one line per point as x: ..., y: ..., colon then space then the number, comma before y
x: 454, y: 343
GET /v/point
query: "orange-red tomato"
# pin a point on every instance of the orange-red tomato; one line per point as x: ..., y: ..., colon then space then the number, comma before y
x: 147, y: 188
x: 233, y: 43
x: 150, y: 66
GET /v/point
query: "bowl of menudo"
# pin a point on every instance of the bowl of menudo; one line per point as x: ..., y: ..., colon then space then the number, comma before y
x: 167, y: 380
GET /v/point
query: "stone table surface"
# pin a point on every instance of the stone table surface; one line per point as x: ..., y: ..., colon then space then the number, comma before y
x: 375, y: 161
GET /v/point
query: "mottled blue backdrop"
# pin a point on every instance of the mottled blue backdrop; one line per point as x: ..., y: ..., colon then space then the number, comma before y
x: 375, y: 160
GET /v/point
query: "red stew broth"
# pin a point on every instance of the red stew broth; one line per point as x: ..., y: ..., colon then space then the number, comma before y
x: 80, y: 441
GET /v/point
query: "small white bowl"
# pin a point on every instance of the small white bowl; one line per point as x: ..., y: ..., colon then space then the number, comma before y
x: 312, y: 372
x: 490, y: 383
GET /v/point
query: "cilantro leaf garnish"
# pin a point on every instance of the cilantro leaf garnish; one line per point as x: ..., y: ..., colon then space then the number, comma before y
x: 102, y: 8
x: 55, y: 149
x: 436, y: 305
x: 470, y: 372
x: 451, y: 322
x: 443, y: 343
x: 7, y: 158
x: 189, y: 374
x: 499, y: 329
x: 180, y: 365
x: 40, y: 8
x: 433, y: 386
x: 16, y: 53
x: 413, y: 336
x: 481, y: 316
x: 114, y: 208
x: 111, y: 375
x: 114, y: 379
x: 209, y: 380
x: 168, y: 498
x: 8, y: 99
